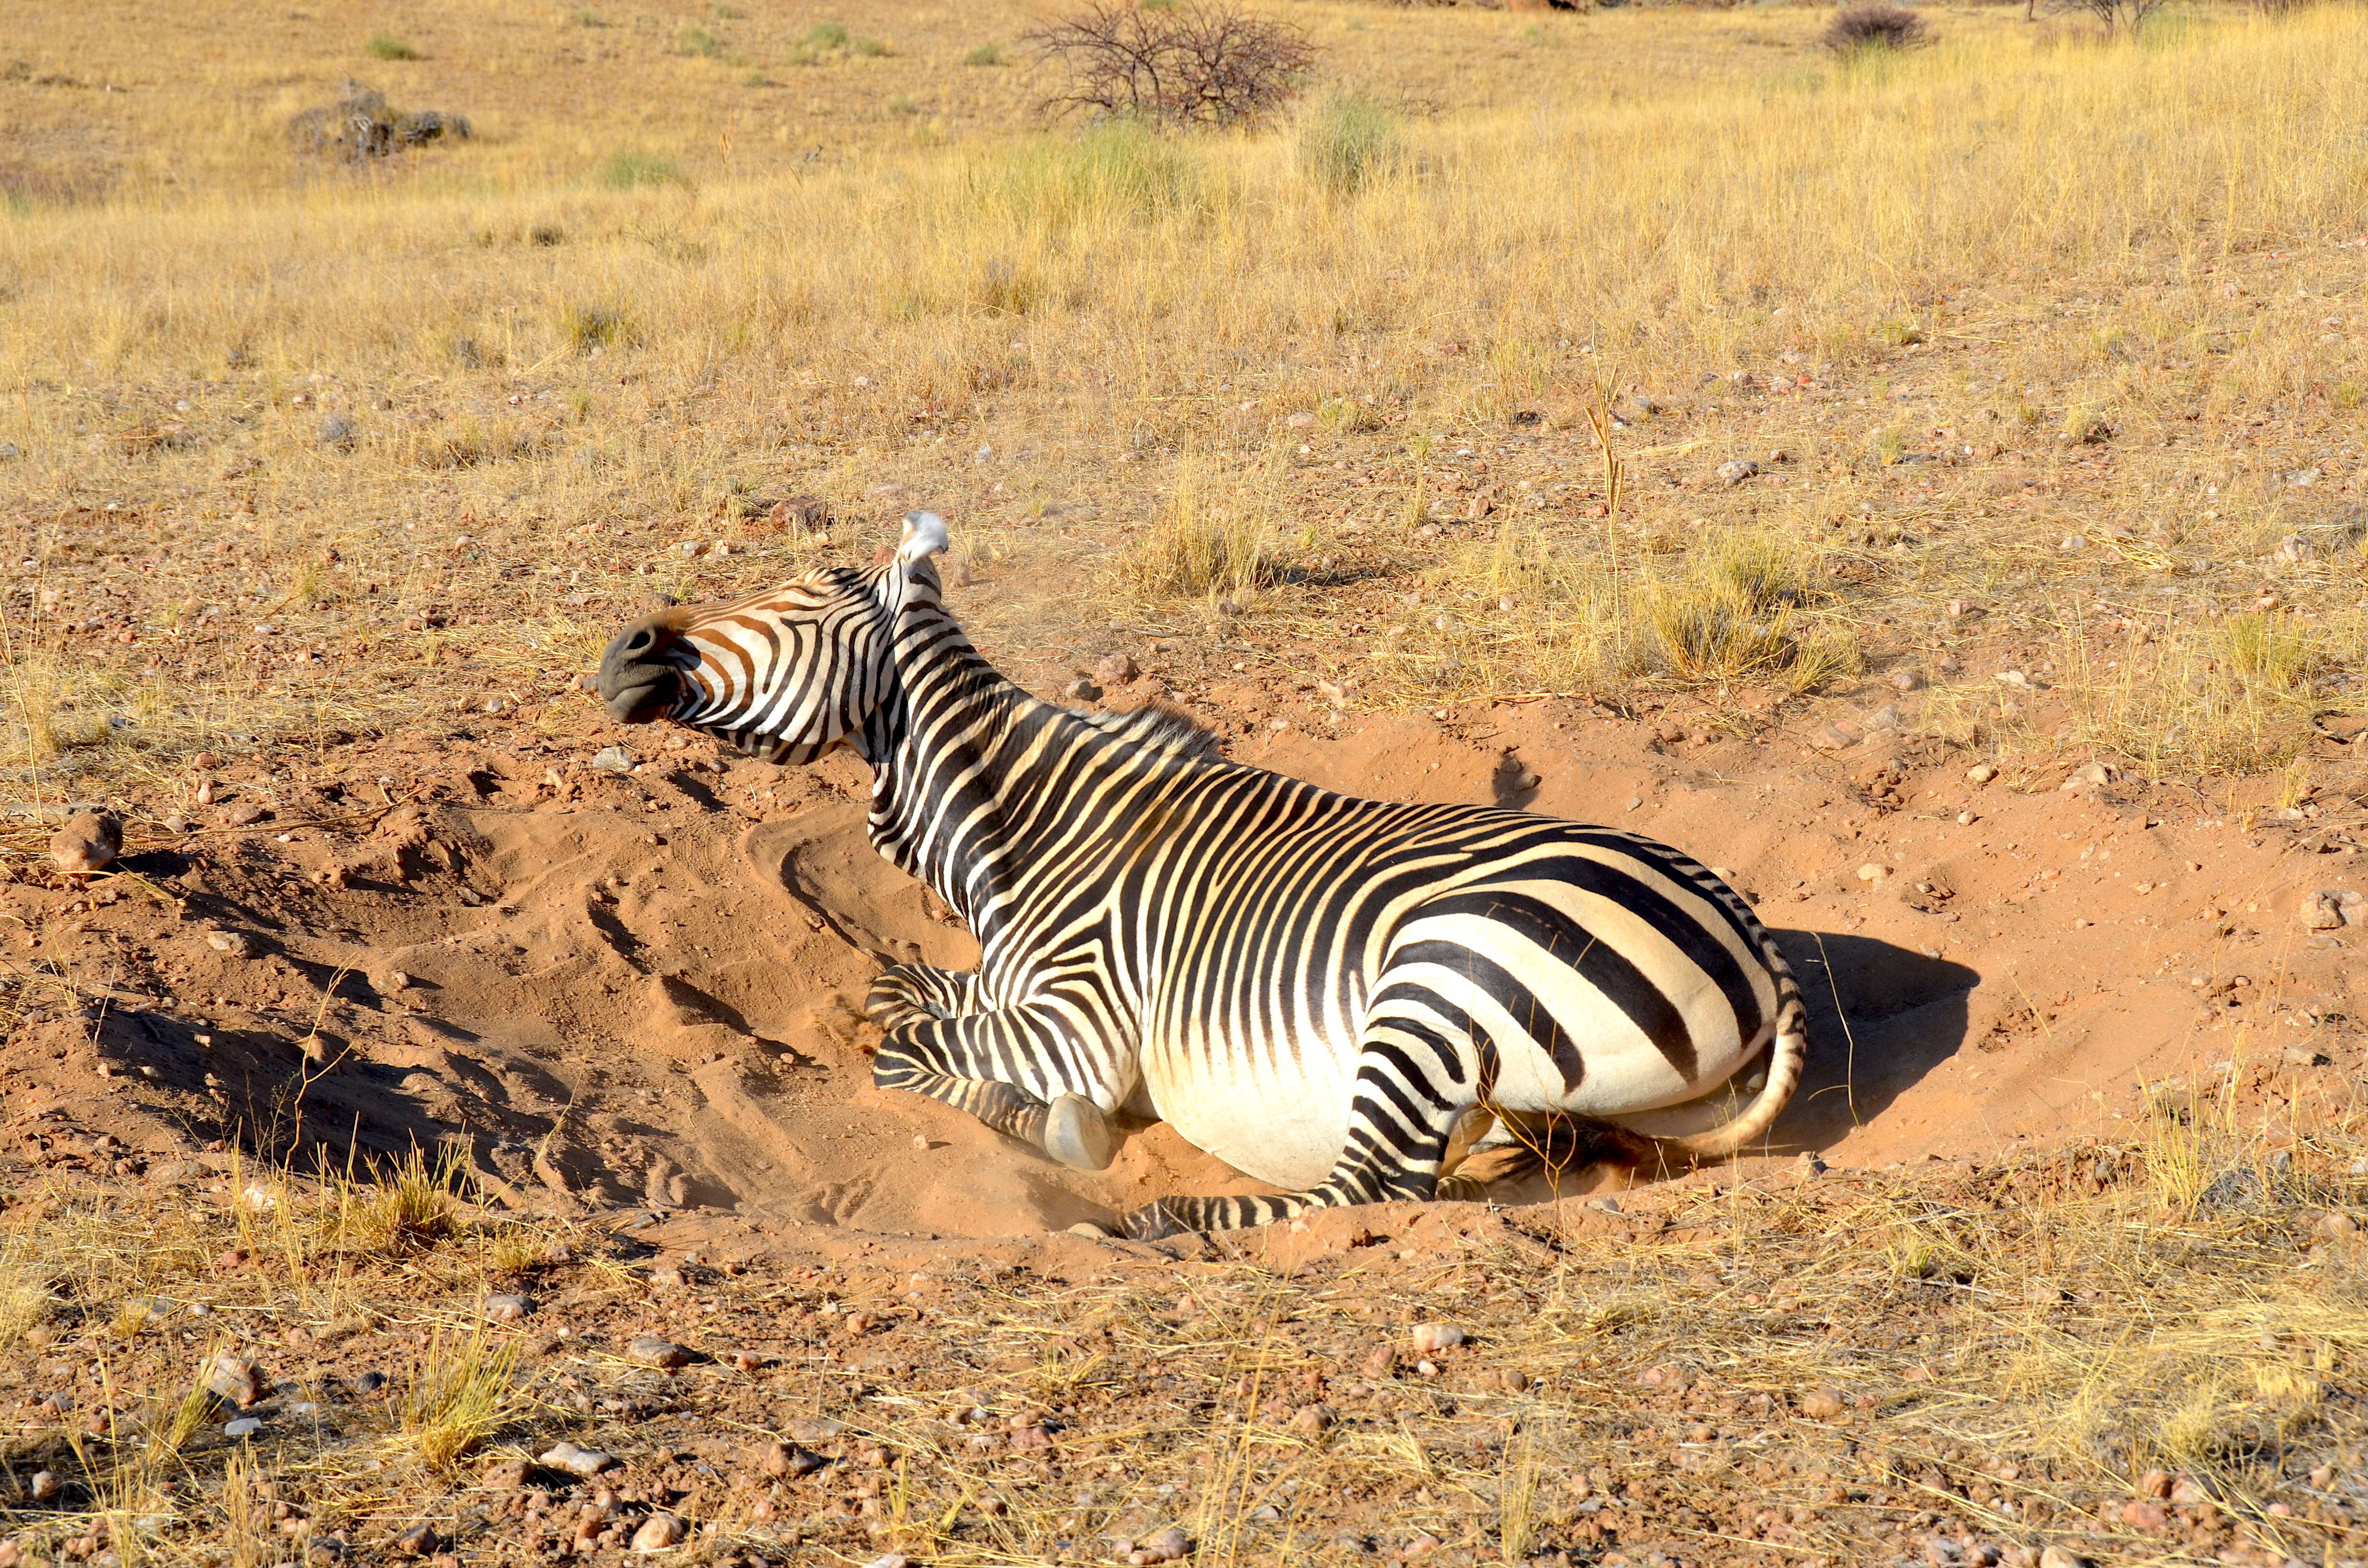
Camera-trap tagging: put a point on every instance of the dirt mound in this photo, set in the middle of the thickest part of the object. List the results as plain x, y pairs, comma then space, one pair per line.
640, 990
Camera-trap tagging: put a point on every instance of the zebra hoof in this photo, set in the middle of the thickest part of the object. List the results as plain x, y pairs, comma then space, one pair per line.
1077, 1134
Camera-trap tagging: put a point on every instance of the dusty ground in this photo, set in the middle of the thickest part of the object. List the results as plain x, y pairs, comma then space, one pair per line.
2019, 687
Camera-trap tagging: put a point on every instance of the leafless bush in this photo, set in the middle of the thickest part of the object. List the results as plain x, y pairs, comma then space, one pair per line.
1862, 28
1198, 62
2118, 16
359, 127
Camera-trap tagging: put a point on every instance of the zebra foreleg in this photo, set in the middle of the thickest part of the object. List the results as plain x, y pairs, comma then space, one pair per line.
916, 992
953, 1060
1399, 1124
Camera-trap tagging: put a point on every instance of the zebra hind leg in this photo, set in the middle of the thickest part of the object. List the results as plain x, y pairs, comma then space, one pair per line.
912, 993
1399, 1123
928, 1059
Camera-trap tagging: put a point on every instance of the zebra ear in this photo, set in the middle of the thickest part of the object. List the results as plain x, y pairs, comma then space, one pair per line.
925, 535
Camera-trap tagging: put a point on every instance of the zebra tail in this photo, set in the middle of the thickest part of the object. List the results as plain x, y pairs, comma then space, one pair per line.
1787, 1059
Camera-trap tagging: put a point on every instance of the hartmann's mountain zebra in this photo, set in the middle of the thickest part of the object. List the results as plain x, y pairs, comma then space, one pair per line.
1313, 988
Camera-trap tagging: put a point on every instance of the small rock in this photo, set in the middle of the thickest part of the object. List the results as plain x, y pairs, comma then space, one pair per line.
613, 759
336, 430
1082, 690
2089, 776
586, 1462
1822, 1405
45, 1485
1419, 1544
1980, 773
2154, 1484
2145, 1513
1887, 717
1735, 473
2321, 911
1873, 872
1906, 681
2188, 1493
246, 813
1169, 1545
2303, 1056
1833, 738
419, 1540
506, 1473
237, 944
232, 1378
508, 1308
814, 1428
658, 1532
10, 452
2338, 1224
1429, 1339
1088, 1227
786, 1460
245, 1426
652, 1351
1115, 669
2062, 1557
1313, 1420
1378, 1364
2294, 548
88, 842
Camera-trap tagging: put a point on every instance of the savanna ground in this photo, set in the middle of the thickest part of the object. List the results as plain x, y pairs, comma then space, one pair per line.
423, 1068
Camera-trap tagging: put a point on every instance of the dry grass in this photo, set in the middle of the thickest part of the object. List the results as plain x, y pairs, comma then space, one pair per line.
612, 333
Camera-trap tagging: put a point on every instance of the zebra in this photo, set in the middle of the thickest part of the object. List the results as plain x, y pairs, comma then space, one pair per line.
1322, 991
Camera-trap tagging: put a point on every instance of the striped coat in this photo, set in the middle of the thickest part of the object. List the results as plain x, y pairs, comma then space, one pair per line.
1318, 989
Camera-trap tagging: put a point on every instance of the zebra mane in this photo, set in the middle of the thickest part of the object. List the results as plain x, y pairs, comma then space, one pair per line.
1162, 727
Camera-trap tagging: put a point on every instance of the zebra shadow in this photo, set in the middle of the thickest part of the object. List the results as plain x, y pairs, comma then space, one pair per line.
1880, 1018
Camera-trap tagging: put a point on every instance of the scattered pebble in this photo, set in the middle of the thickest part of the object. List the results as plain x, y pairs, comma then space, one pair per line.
2062, 1557
613, 759
1429, 1339
508, 1308
814, 1428
2088, 776
245, 1426
419, 1540
1115, 669
1169, 1545
45, 1485
1313, 1420
1823, 1404
88, 842
586, 1462
1735, 473
658, 1532
506, 1473
232, 1378
1873, 872
336, 430
1980, 773
652, 1351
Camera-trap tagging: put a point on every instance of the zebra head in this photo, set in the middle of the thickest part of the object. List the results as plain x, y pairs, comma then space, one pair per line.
789, 674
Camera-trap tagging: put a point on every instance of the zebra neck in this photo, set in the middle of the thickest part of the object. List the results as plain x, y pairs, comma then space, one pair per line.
942, 744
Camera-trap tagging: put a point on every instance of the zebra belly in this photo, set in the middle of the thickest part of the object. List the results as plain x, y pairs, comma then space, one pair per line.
1283, 1117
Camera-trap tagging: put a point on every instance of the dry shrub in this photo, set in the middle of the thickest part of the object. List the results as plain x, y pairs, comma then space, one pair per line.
460, 1396
359, 127
1203, 62
1346, 142
1195, 550
1734, 614
1861, 28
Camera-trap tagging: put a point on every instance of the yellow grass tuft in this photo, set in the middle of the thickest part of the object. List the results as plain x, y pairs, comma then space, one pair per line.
460, 1395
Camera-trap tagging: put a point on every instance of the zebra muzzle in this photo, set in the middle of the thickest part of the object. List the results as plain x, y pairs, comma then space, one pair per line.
638, 679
